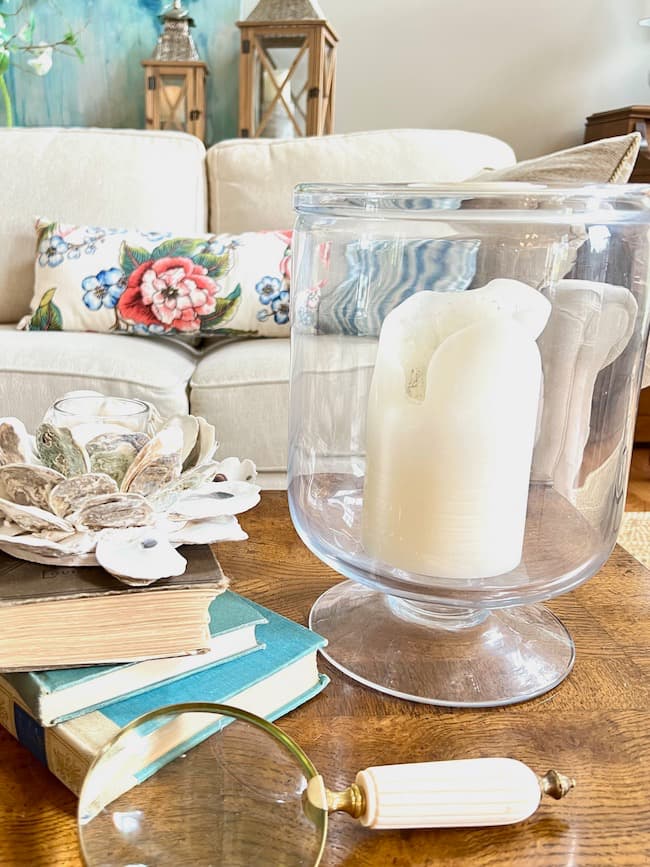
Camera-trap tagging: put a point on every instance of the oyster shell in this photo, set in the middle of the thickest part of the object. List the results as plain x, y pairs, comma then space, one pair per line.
58, 450
206, 445
113, 453
15, 447
207, 532
8, 529
77, 543
157, 465
33, 519
235, 470
215, 499
207, 441
112, 511
25, 545
138, 556
28, 485
71, 487
189, 426
67, 495
188, 481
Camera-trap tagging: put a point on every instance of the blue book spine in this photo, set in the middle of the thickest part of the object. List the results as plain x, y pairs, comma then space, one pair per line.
68, 749
69, 759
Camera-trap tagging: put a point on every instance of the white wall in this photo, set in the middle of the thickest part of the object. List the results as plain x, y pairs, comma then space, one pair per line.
527, 71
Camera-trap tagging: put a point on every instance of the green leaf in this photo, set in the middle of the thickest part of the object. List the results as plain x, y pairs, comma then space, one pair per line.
4, 62
70, 38
46, 297
79, 53
224, 309
31, 24
132, 257
44, 231
177, 247
216, 266
47, 316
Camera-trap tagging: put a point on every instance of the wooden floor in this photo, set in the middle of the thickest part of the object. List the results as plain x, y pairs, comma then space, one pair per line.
638, 492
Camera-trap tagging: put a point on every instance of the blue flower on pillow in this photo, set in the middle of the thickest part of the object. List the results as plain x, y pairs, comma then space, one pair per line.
148, 329
154, 237
268, 289
280, 307
103, 289
51, 251
219, 246
275, 298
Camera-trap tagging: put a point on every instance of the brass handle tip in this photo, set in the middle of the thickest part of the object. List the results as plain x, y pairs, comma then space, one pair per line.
350, 801
556, 785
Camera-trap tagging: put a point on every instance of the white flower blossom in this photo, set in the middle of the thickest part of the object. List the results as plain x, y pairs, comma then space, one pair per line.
24, 33
42, 63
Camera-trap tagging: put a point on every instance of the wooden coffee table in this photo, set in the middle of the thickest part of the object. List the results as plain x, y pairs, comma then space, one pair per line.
595, 727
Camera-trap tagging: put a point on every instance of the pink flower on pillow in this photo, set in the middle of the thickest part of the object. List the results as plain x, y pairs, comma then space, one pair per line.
173, 290
285, 262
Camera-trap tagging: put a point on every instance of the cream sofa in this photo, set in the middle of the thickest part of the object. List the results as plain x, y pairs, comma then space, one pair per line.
157, 180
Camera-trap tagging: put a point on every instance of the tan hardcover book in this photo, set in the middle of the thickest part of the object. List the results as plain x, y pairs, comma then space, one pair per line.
60, 616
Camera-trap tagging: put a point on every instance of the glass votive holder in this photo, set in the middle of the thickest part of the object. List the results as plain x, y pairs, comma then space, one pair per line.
88, 415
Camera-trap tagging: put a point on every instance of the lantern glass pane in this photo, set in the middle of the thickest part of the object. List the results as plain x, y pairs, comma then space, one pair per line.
282, 65
173, 102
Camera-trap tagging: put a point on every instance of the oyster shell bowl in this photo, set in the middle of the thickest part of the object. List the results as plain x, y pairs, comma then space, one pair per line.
96, 494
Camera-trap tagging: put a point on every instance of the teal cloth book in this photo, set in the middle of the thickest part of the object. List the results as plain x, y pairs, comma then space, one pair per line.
270, 683
55, 696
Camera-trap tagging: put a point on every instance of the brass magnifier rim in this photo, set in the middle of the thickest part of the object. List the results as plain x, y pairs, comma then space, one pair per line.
270, 728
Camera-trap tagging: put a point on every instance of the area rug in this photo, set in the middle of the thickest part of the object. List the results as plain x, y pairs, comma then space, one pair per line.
634, 535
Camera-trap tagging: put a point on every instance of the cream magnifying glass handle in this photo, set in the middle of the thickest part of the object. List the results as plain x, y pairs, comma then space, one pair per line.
455, 794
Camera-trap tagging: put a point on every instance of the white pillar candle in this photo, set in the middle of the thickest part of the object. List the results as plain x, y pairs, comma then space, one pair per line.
451, 424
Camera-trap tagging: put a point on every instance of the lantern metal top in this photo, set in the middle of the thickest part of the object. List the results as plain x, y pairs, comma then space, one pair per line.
176, 12
287, 10
175, 42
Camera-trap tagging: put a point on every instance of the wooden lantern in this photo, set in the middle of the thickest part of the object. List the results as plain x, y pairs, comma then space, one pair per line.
287, 71
175, 77
175, 95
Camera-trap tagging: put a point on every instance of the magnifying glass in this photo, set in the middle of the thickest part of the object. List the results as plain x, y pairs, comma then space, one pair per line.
208, 784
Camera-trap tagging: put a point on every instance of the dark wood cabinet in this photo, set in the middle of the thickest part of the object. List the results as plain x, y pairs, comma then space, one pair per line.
620, 121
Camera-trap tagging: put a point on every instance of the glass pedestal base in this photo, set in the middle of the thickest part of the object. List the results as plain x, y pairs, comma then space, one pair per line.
442, 655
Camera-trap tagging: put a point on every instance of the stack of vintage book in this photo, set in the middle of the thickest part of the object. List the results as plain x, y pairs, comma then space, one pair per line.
81, 655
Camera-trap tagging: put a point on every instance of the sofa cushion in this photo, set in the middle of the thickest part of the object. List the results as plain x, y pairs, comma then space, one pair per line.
36, 368
606, 161
95, 177
252, 180
243, 390
524, 252
89, 278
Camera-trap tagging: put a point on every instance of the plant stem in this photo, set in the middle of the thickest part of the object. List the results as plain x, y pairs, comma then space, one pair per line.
9, 115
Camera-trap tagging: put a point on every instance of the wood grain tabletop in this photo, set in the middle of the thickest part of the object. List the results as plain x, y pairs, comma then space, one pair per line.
595, 727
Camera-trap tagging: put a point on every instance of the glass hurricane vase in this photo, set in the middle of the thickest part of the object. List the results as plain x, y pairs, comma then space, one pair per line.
465, 370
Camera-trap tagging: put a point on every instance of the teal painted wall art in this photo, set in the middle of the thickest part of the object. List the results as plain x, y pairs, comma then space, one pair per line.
107, 90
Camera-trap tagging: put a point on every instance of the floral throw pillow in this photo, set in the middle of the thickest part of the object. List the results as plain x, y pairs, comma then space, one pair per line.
89, 278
